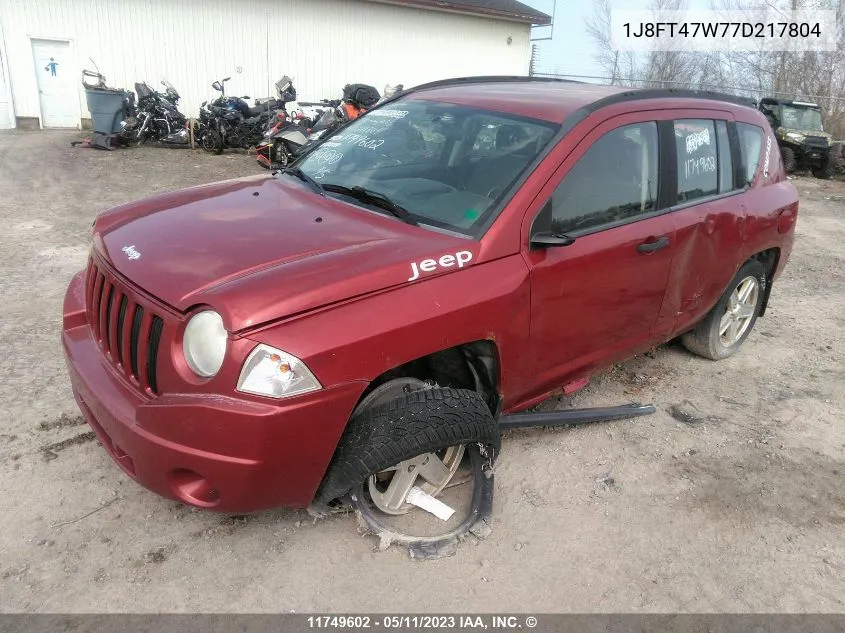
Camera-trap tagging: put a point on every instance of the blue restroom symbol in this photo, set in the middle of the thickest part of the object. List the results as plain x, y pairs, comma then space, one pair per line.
52, 66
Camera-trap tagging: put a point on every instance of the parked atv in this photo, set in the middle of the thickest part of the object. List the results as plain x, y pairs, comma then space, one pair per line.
803, 142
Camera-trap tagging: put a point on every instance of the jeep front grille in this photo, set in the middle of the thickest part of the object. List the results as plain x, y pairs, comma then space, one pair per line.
816, 141
128, 334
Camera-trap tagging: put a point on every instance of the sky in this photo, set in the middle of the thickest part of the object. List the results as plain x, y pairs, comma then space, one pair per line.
571, 50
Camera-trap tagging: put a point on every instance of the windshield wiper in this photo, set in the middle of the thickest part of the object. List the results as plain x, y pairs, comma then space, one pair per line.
297, 171
374, 198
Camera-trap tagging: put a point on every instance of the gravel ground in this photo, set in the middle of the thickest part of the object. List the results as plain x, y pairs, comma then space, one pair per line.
729, 499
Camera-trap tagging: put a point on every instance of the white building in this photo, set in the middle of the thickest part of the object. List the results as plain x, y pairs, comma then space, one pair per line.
322, 44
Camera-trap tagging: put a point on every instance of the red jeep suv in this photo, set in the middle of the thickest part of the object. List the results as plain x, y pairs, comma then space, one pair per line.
460, 252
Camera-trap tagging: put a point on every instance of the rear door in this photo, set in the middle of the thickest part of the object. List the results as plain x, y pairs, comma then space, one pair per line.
597, 299
709, 215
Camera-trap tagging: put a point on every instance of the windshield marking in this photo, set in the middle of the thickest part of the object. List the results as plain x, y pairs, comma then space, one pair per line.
697, 139
394, 114
362, 140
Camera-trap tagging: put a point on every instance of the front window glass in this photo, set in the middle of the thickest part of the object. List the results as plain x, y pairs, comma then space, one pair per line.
798, 118
447, 165
615, 181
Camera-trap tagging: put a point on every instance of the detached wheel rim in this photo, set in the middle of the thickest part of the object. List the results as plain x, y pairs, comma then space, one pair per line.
739, 311
431, 472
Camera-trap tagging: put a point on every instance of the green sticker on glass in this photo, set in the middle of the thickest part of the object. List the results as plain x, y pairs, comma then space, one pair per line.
471, 214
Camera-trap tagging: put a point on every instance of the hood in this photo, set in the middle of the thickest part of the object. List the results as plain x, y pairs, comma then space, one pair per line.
818, 133
259, 249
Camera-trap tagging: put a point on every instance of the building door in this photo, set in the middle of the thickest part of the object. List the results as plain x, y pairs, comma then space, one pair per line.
5, 104
57, 89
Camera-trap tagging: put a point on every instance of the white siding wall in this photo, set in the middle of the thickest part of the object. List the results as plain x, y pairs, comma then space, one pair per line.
322, 44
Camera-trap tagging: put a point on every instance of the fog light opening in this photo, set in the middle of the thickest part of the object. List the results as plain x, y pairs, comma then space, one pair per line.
192, 488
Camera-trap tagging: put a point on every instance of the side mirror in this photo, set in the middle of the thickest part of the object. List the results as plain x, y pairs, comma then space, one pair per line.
216, 85
546, 239
225, 79
542, 234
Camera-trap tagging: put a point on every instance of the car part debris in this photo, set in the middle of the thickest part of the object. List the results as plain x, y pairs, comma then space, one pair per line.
421, 499
571, 417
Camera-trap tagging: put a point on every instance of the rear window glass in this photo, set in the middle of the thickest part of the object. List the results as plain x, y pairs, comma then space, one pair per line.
750, 144
695, 140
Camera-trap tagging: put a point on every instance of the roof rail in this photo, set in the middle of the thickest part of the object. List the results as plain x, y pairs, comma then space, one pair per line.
656, 93
488, 79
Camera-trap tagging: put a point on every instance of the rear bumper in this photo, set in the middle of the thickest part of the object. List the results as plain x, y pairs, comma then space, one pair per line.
221, 452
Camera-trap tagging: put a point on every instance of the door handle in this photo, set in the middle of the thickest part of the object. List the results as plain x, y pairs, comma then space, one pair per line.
656, 245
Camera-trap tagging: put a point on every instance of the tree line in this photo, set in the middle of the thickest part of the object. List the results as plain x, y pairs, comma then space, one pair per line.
799, 75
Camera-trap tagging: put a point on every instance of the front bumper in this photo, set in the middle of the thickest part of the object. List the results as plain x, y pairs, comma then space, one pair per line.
222, 452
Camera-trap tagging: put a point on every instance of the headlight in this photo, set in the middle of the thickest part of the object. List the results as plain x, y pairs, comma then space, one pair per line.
795, 136
204, 343
271, 372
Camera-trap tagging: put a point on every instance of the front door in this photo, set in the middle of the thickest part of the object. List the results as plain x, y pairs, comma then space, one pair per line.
57, 78
597, 299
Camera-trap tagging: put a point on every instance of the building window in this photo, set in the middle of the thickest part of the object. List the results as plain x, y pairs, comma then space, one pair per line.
615, 180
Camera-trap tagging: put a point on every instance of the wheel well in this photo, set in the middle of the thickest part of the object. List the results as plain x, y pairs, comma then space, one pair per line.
769, 258
473, 365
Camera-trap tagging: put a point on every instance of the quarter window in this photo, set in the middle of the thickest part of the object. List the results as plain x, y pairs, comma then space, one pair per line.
615, 180
750, 144
695, 140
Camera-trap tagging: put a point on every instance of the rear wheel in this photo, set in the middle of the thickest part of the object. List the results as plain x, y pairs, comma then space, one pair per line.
212, 142
729, 323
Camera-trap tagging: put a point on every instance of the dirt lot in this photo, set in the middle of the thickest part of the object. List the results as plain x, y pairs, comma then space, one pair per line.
730, 498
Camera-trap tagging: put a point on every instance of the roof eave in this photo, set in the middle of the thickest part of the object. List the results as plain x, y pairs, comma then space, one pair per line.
539, 19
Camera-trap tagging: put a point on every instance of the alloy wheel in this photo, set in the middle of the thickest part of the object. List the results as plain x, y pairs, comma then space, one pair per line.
739, 311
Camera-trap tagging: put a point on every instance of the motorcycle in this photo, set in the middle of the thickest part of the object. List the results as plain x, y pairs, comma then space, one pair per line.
357, 99
156, 117
232, 123
283, 141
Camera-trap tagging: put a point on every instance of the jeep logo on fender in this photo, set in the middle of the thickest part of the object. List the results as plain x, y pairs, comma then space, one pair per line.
445, 261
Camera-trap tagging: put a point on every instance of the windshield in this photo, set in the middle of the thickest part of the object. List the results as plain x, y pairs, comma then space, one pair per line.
169, 88
798, 118
447, 165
